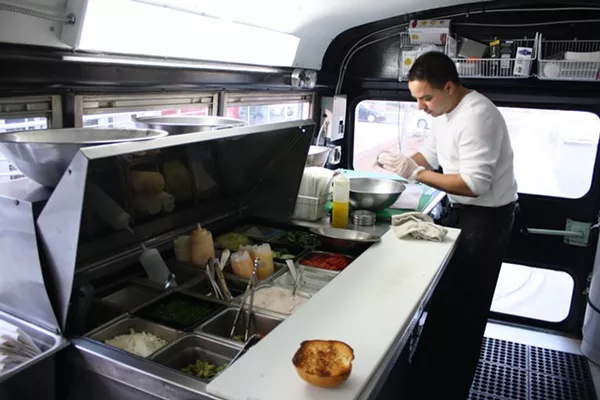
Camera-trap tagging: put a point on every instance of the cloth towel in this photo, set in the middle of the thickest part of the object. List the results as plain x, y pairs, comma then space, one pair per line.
16, 346
419, 226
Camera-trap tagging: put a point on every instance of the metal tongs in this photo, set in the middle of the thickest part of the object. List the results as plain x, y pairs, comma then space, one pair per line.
217, 268
252, 340
210, 275
297, 274
249, 291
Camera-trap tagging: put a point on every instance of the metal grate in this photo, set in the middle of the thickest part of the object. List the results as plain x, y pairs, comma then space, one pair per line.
509, 371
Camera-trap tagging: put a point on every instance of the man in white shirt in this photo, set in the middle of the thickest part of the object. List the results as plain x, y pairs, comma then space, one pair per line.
469, 140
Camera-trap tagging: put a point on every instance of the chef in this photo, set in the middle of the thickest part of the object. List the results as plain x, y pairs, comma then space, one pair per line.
469, 141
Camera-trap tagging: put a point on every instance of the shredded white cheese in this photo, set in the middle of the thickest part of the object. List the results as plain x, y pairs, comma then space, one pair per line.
141, 343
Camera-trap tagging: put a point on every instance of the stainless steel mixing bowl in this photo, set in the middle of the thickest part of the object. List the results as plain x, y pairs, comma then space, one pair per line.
177, 125
374, 193
343, 239
44, 155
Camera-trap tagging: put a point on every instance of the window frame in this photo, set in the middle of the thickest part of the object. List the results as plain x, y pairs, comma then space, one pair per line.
245, 98
353, 115
49, 107
123, 103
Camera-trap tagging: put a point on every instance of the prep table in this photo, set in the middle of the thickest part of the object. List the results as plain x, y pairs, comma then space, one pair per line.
97, 289
372, 305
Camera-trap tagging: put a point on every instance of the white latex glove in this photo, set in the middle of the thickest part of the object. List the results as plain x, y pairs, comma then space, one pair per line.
404, 166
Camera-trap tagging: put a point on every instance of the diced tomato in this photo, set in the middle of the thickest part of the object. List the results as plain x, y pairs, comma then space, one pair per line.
332, 262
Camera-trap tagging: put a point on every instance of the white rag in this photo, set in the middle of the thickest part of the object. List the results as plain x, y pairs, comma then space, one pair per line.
419, 226
16, 346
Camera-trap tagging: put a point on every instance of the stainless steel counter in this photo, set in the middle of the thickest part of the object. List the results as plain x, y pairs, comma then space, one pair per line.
378, 229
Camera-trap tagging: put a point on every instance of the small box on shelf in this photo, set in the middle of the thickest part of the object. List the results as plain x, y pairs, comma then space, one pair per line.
499, 59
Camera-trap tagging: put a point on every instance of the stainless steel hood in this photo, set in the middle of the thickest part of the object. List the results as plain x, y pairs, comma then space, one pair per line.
22, 287
254, 171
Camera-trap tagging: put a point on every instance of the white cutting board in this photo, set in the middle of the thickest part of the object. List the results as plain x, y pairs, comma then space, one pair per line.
366, 306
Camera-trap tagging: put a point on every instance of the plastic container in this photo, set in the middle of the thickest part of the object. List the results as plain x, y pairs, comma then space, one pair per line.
241, 264
154, 266
310, 208
341, 202
202, 247
266, 267
265, 263
181, 248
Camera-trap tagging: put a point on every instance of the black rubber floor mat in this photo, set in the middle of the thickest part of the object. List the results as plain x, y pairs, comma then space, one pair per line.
513, 371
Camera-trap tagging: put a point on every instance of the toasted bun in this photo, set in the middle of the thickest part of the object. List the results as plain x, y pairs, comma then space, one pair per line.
324, 363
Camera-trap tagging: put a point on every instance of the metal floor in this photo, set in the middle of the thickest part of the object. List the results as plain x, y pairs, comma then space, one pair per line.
523, 364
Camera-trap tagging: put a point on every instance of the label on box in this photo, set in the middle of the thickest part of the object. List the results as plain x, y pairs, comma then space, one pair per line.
523, 61
433, 31
408, 59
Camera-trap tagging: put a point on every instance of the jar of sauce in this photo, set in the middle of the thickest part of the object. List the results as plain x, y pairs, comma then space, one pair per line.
241, 264
265, 261
202, 247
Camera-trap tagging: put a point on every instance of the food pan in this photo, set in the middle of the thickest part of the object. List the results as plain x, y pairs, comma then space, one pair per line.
180, 311
124, 326
191, 347
220, 325
312, 271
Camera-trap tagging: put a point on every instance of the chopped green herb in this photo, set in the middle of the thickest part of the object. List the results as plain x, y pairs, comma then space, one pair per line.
203, 369
180, 311
299, 238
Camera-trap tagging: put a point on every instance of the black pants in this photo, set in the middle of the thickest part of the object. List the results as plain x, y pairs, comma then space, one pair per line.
447, 353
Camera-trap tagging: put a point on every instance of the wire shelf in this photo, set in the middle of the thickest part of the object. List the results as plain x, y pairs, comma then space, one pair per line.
514, 65
411, 49
519, 64
569, 60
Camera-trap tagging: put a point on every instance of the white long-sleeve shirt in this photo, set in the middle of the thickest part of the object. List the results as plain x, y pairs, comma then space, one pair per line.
472, 140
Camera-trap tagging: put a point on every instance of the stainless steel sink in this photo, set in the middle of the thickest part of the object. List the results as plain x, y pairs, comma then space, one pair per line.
220, 325
191, 347
124, 326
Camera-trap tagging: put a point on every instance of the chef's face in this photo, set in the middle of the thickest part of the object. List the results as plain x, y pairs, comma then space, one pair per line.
434, 102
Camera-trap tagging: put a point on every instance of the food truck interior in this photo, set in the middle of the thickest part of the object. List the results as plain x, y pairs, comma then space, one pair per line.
142, 142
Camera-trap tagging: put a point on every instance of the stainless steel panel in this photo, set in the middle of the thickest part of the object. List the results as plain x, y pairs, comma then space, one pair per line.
191, 347
59, 225
220, 325
25, 190
48, 343
277, 159
22, 288
97, 152
130, 296
124, 326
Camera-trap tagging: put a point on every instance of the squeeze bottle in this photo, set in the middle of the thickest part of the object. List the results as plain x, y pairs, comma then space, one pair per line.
341, 201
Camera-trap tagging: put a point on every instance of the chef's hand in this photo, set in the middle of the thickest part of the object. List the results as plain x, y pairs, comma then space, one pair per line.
404, 166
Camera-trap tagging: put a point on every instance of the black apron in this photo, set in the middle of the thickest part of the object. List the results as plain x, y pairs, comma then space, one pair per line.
447, 353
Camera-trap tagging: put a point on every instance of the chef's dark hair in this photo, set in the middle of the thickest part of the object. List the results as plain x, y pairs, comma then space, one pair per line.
434, 67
